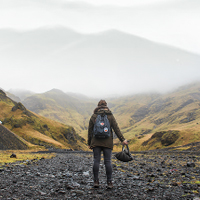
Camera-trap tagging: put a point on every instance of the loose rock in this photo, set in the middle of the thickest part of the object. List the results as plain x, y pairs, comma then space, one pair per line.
69, 176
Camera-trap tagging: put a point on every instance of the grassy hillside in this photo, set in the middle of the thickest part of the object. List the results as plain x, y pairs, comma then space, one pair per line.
36, 131
142, 118
65, 108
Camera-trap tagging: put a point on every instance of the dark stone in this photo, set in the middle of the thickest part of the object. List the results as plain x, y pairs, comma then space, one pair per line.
174, 184
46, 126
150, 189
15, 181
19, 106
69, 187
62, 192
17, 125
190, 164
13, 155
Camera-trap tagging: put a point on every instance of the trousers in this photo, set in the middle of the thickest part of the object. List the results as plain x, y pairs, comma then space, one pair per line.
107, 162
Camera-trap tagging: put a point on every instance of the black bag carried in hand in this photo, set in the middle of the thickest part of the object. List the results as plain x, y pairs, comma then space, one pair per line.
124, 155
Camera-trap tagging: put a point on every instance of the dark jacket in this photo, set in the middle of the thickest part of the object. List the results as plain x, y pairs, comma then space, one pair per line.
107, 142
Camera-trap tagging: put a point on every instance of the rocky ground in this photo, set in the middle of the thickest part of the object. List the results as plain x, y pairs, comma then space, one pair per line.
69, 176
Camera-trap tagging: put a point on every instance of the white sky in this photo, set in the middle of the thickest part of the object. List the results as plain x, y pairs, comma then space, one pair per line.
173, 22
121, 2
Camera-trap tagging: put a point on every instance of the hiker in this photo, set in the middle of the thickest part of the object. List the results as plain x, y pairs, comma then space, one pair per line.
98, 142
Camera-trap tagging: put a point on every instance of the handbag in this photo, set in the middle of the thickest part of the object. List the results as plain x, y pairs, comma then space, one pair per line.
124, 155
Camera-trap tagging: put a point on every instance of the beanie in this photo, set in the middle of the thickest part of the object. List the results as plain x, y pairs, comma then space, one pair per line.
102, 103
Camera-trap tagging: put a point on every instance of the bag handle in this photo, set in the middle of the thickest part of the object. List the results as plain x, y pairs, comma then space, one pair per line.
123, 147
128, 151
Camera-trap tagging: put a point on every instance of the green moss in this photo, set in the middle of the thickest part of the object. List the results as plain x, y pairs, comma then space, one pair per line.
15, 123
133, 141
160, 139
169, 138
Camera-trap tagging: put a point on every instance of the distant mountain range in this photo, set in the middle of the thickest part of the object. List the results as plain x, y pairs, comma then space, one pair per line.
111, 55
139, 116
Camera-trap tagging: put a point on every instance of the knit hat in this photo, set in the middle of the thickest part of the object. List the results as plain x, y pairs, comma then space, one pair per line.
102, 103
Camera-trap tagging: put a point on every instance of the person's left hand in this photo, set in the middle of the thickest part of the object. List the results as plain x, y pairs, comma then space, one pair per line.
125, 142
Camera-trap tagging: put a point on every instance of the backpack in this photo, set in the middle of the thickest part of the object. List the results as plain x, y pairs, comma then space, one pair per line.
101, 127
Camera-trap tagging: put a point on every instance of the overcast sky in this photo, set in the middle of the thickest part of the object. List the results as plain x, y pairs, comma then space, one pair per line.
172, 22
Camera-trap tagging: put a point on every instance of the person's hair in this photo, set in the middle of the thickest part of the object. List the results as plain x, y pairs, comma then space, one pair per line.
102, 103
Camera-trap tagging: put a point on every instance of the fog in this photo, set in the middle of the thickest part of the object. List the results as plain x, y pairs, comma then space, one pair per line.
99, 48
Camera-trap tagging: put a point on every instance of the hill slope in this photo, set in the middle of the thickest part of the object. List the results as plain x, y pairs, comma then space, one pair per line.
149, 120
8, 140
143, 116
37, 131
62, 107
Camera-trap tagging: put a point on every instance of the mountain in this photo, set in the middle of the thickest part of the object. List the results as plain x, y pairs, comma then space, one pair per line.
72, 109
148, 117
122, 58
61, 58
36, 42
27, 129
148, 120
13, 96
19, 95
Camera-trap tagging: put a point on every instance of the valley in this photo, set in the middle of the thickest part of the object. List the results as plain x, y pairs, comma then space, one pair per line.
147, 120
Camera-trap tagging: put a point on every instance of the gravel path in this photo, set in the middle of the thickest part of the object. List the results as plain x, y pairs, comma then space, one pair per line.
69, 176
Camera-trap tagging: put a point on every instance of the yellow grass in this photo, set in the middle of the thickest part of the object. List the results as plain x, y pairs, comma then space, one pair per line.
39, 136
84, 134
21, 156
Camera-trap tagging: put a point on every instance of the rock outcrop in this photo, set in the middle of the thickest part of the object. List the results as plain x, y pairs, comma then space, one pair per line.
8, 140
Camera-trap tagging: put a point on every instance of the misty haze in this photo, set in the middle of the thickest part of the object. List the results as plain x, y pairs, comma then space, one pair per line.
107, 63
98, 57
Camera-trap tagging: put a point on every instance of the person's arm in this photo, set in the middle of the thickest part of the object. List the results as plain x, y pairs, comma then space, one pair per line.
90, 130
117, 131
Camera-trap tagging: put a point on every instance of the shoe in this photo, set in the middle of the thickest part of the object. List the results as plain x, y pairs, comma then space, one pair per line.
110, 185
96, 184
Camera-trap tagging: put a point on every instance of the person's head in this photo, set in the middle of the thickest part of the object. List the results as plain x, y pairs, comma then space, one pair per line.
102, 103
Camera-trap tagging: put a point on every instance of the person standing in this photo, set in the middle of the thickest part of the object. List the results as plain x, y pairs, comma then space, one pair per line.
103, 144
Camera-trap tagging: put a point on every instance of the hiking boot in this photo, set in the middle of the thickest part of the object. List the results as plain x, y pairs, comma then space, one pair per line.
110, 185
96, 184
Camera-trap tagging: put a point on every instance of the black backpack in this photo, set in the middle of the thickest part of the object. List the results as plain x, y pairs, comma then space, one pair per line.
101, 127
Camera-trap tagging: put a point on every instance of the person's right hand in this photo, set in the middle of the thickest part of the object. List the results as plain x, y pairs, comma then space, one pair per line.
125, 142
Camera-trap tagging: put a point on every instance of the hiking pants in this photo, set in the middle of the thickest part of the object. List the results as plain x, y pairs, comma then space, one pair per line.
107, 162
